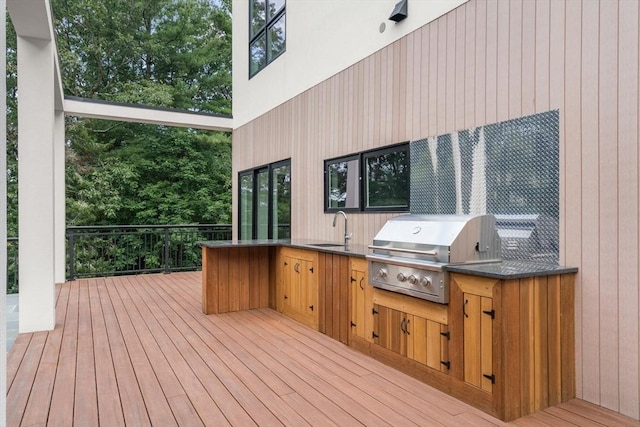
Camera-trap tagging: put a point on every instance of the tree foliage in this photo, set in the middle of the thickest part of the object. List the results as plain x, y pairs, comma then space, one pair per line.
12, 130
164, 53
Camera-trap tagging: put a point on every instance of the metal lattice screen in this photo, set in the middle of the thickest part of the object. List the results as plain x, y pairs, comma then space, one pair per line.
509, 169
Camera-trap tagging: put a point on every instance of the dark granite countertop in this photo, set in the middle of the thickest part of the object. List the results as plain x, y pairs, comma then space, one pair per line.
510, 269
498, 270
315, 245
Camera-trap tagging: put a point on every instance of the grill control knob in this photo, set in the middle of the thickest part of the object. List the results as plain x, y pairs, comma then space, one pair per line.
382, 273
401, 277
413, 279
425, 281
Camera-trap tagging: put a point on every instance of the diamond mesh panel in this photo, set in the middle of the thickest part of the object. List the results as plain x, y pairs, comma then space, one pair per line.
509, 169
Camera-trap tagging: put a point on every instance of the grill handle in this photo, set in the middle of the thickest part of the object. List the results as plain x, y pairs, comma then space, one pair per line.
412, 263
409, 251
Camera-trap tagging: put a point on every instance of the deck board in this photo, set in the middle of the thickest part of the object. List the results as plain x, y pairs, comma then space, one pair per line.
138, 351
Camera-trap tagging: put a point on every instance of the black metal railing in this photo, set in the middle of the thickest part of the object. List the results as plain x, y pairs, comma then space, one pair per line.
95, 251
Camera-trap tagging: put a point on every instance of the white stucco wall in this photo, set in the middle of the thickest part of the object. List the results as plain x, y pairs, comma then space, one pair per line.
321, 37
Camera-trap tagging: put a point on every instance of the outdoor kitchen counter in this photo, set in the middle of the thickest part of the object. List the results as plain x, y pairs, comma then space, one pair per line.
506, 270
359, 251
241, 274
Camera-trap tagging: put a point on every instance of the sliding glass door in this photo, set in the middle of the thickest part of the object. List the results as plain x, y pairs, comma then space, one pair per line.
264, 210
281, 200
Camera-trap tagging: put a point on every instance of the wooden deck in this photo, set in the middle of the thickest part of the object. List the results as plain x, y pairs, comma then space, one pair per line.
138, 351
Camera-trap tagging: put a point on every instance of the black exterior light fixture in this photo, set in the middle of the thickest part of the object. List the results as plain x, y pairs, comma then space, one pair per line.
399, 11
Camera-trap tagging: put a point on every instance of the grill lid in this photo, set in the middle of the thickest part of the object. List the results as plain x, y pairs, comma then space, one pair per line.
447, 238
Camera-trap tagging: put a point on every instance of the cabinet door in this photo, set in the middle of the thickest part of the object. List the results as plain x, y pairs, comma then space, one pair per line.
473, 306
285, 269
360, 310
478, 341
389, 329
308, 287
427, 342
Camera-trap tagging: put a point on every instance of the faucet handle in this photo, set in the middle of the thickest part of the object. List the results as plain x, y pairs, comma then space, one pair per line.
348, 236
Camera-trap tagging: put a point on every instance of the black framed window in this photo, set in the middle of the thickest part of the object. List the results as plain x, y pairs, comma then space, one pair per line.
342, 183
376, 180
267, 33
386, 179
264, 202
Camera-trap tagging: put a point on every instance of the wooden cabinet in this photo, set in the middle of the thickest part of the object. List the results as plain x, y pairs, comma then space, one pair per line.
297, 285
411, 327
512, 342
361, 299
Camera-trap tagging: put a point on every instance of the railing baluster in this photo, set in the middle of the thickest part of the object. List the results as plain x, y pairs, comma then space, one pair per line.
72, 252
166, 251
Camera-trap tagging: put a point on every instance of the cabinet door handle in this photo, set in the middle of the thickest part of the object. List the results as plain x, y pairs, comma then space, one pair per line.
464, 308
286, 297
406, 327
402, 326
311, 269
311, 307
361, 280
295, 268
353, 324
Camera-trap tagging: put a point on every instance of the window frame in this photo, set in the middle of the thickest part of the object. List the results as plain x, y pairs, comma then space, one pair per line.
363, 179
348, 158
404, 147
253, 172
263, 31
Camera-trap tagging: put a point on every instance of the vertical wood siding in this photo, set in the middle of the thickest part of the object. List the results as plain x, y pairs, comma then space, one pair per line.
485, 62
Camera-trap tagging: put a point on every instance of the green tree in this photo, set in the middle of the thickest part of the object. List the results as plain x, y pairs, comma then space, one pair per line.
12, 131
165, 53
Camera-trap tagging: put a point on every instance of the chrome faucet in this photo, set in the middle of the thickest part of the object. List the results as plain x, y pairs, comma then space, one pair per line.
347, 236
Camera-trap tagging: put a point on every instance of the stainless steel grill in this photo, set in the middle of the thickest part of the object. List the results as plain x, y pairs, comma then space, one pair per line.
410, 251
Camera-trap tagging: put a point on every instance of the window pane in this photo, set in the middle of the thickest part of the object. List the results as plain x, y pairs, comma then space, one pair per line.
257, 16
274, 8
276, 40
281, 203
343, 184
246, 207
258, 54
262, 215
387, 176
